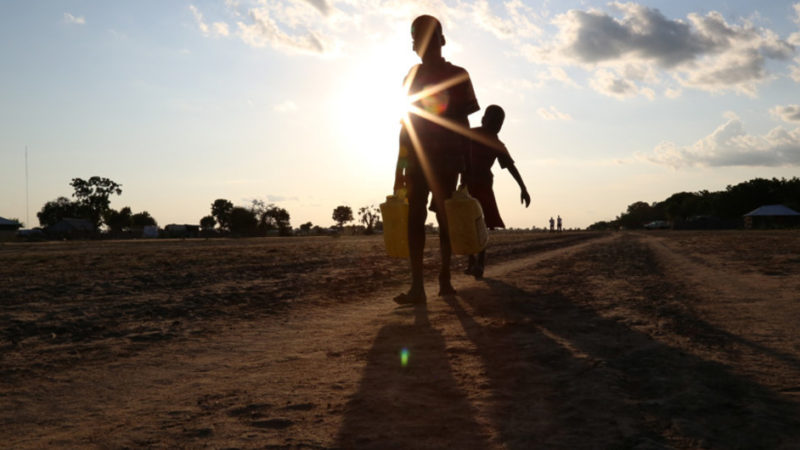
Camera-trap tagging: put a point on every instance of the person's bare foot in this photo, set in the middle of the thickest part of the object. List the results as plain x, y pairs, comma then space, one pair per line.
446, 289
412, 297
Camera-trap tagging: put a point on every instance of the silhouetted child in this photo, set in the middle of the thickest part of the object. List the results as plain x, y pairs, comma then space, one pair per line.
432, 147
485, 148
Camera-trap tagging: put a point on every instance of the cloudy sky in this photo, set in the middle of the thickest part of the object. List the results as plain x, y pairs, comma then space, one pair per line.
296, 102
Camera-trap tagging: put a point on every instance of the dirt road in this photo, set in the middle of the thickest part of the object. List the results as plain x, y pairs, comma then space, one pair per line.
608, 341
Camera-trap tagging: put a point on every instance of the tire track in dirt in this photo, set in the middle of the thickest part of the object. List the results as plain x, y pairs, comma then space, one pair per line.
749, 308
640, 367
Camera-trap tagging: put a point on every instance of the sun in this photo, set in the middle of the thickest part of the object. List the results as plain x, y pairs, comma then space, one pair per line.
370, 106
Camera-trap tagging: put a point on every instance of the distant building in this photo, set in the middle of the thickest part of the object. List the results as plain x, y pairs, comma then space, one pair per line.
71, 229
182, 231
772, 216
8, 229
150, 231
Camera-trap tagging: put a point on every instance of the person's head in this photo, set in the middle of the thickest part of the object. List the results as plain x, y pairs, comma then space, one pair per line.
493, 118
427, 37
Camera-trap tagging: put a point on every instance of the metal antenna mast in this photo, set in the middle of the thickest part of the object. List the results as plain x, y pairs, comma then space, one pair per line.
27, 215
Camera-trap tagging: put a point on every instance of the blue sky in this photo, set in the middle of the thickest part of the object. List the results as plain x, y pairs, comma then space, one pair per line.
296, 102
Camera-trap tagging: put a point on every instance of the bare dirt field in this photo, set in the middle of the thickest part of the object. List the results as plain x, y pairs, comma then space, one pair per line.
644, 340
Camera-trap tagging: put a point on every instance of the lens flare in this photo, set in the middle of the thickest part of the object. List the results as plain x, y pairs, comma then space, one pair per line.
404, 357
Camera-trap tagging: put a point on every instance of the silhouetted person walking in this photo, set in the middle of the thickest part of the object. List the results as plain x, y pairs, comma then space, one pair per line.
482, 154
558, 223
552, 223
432, 147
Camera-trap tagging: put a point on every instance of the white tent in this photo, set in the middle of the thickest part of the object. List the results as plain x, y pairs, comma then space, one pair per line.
772, 211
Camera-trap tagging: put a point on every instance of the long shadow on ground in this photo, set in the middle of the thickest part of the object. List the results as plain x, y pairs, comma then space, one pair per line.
563, 376
417, 405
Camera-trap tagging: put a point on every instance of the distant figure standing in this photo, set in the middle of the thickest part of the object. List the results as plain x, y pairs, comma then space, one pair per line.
485, 148
552, 224
432, 155
559, 223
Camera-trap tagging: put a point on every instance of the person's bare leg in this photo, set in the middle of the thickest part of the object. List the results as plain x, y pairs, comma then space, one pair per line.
445, 288
477, 271
416, 246
470, 264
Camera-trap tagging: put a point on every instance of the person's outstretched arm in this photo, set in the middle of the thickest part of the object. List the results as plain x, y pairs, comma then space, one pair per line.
524, 197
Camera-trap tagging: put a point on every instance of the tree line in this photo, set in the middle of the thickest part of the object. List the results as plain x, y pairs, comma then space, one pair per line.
92, 199
726, 206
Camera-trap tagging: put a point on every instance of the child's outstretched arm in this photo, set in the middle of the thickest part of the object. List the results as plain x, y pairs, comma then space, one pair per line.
524, 197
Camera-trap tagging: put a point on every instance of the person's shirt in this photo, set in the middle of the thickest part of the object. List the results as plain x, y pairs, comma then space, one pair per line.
445, 92
482, 156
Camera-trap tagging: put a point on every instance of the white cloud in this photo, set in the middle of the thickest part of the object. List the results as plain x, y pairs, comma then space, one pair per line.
518, 24
220, 28
216, 29
324, 27
730, 145
788, 113
702, 52
265, 30
555, 73
69, 18
322, 6
795, 70
286, 106
281, 198
672, 92
552, 113
198, 17
613, 85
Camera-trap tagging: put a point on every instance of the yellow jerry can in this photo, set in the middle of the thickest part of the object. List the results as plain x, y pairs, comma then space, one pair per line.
395, 224
468, 232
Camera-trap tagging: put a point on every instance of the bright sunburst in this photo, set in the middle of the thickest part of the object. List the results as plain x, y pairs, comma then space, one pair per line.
371, 105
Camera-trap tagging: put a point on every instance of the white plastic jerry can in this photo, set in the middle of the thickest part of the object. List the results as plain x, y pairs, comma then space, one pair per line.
468, 232
395, 224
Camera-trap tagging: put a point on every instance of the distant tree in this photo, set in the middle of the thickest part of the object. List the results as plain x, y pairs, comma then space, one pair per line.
638, 214
271, 217
259, 207
243, 221
207, 223
370, 216
306, 227
93, 194
280, 218
142, 219
118, 220
603, 226
53, 211
342, 215
730, 204
221, 210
